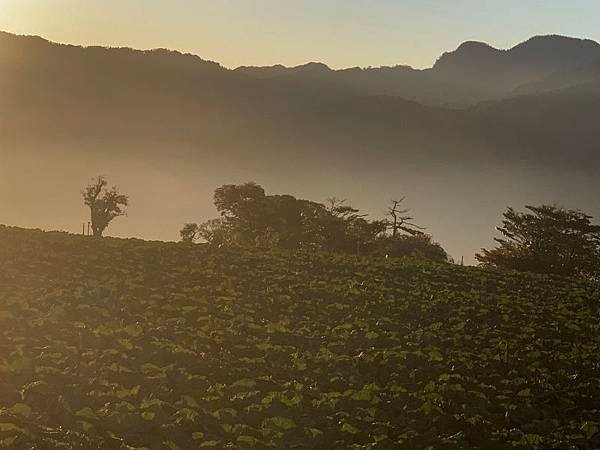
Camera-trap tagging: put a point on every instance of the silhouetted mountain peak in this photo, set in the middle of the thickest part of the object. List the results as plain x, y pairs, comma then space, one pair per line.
20, 48
312, 68
555, 50
468, 55
484, 71
475, 47
553, 41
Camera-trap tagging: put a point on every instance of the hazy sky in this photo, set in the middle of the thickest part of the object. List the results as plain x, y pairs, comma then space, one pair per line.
340, 33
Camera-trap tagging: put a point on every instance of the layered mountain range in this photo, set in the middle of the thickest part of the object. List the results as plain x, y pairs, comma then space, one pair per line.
473, 73
481, 129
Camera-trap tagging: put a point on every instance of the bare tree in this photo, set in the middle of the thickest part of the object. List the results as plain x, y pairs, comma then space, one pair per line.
399, 219
105, 204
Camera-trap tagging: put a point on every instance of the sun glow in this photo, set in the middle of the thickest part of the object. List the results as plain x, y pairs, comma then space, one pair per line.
339, 33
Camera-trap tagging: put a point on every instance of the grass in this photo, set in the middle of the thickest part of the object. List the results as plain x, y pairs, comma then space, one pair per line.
108, 343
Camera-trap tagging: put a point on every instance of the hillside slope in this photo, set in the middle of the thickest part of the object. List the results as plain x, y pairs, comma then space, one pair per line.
127, 344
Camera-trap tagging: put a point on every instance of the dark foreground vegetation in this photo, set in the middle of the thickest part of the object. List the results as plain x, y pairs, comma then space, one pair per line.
250, 218
124, 344
546, 239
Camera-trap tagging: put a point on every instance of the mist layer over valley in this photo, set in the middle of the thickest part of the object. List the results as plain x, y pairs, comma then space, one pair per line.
170, 128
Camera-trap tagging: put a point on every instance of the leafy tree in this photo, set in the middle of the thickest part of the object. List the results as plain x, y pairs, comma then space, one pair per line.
364, 234
250, 217
338, 209
189, 233
343, 227
546, 239
105, 204
292, 222
212, 231
242, 209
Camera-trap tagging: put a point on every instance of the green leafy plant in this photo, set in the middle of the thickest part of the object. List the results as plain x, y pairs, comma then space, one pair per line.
129, 344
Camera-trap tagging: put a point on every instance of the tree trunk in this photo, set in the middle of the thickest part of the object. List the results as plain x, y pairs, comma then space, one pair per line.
96, 230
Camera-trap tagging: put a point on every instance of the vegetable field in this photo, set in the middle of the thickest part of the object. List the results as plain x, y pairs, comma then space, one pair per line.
125, 344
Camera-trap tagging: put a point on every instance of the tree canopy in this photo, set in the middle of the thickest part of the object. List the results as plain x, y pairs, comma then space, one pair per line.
105, 204
546, 239
248, 216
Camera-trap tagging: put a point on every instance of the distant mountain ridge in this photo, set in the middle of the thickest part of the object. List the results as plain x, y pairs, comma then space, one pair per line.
182, 96
168, 96
473, 73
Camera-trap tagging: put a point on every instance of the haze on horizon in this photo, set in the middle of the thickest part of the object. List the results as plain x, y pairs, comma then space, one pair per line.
265, 32
481, 131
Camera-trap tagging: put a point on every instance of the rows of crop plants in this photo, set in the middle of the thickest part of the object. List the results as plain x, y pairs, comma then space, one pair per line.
126, 344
